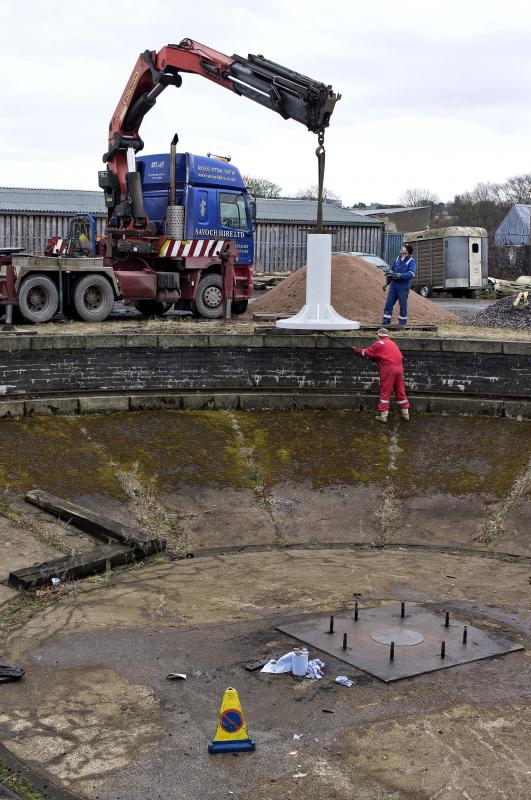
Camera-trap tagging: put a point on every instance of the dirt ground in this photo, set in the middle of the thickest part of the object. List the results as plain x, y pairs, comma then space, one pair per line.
108, 725
238, 325
442, 506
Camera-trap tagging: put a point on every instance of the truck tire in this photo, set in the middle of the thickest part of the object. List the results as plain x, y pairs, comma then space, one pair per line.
38, 298
208, 298
239, 306
425, 290
93, 298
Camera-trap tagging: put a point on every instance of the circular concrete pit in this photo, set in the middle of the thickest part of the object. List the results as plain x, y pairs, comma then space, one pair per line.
288, 514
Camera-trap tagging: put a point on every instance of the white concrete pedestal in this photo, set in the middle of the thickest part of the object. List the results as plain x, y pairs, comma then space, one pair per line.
318, 314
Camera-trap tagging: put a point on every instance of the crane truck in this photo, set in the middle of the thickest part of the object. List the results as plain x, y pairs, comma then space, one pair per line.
179, 226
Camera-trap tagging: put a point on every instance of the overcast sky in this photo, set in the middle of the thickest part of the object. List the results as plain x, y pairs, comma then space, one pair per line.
435, 95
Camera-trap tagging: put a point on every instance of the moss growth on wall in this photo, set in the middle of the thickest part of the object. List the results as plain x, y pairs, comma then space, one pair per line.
461, 455
320, 447
53, 453
178, 447
72, 456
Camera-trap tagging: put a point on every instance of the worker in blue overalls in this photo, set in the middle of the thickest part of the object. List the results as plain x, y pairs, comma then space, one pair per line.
399, 281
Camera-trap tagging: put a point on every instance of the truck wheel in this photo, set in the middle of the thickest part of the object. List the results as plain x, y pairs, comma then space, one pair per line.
93, 298
239, 306
208, 298
425, 291
38, 298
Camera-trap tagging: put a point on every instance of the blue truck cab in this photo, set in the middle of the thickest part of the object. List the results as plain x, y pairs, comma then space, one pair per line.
213, 193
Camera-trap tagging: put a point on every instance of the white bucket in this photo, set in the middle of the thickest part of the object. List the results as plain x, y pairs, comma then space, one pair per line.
299, 661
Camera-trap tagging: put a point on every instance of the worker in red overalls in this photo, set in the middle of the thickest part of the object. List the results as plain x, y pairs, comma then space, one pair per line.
389, 358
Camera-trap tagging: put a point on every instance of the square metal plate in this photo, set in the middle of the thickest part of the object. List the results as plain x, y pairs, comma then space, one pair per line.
386, 624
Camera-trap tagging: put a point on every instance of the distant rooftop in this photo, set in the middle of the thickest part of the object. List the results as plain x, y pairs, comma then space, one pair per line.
283, 209
77, 201
367, 212
51, 201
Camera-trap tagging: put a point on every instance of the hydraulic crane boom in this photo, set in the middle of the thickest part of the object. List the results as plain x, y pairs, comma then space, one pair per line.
290, 94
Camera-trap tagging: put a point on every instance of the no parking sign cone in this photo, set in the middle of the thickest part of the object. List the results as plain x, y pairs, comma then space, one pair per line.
231, 733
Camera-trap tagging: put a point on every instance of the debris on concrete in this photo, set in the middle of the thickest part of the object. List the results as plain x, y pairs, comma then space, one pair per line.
502, 314
8, 673
279, 665
56, 581
175, 676
315, 669
344, 681
252, 666
284, 664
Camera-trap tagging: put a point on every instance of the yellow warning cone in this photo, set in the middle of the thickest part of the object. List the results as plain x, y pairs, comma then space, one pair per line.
231, 733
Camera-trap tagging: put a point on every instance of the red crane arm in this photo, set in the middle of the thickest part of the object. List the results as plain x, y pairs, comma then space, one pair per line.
154, 71
290, 94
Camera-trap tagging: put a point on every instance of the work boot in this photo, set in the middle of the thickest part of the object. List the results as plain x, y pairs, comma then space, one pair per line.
382, 416
405, 414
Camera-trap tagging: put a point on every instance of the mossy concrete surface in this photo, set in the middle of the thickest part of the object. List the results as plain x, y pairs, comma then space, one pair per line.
235, 478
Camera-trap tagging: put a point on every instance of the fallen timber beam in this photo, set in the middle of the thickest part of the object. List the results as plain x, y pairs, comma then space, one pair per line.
123, 544
90, 563
96, 524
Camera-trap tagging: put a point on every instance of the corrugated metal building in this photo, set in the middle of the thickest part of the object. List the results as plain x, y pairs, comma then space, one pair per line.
283, 224
515, 228
28, 217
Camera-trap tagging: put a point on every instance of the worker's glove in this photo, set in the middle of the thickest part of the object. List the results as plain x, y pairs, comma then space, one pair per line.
395, 276
356, 351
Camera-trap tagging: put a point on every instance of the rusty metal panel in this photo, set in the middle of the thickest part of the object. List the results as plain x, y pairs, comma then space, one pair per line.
416, 639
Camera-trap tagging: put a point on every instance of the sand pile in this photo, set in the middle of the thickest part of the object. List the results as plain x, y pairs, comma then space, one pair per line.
503, 315
356, 294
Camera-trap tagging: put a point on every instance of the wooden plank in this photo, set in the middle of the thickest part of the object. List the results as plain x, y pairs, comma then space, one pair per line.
77, 566
267, 316
95, 524
364, 328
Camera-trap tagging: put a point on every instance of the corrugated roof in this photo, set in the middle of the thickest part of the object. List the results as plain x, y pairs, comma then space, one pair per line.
305, 211
367, 212
77, 201
51, 201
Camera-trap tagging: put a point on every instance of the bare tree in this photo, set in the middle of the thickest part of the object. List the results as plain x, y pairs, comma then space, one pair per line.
261, 187
418, 197
517, 189
484, 206
311, 194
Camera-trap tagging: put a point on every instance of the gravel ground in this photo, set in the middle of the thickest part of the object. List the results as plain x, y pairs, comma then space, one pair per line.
502, 314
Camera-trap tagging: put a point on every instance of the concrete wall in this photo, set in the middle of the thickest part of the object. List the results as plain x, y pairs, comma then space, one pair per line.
493, 372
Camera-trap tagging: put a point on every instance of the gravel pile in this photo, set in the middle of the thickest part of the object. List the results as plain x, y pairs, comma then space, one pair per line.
356, 294
502, 315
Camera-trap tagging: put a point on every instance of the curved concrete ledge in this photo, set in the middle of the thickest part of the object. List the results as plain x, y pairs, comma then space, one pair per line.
78, 374
254, 401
